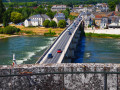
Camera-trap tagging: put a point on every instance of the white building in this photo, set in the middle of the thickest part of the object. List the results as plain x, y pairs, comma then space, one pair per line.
115, 24
36, 20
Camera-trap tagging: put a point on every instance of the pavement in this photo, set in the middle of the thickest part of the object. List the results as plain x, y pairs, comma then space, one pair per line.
103, 31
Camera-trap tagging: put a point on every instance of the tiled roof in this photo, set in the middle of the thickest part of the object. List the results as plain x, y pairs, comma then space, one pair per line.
44, 16
59, 15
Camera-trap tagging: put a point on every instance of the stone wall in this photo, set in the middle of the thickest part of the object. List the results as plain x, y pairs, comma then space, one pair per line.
82, 81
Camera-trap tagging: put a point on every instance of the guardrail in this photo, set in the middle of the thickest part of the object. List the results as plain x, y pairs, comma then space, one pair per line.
39, 60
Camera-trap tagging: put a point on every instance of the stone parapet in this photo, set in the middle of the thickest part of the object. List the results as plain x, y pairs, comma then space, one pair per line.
60, 81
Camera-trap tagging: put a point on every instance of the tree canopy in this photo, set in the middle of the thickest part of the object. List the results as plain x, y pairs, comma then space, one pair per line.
16, 17
2, 10
46, 23
53, 24
62, 23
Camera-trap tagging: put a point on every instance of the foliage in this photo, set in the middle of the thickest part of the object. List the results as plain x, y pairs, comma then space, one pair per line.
10, 30
25, 4
46, 23
50, 13
112, 5
53, 24
50, 33
40, 10
71, 17
69, 3
1, 30
2, 10
27, 32
93, 23
66, 12
102, 35
89, 25
16, 17
62, 23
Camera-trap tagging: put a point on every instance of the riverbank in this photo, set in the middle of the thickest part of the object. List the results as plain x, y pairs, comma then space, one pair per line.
103, 33
33, 31
2, 36
40, 30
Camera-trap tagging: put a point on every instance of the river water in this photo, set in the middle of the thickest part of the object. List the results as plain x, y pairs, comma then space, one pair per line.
29, 48
26, 48
98, 50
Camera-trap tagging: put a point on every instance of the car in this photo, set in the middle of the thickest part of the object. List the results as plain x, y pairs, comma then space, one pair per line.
50, 56
59, 51
68, 30
69, 33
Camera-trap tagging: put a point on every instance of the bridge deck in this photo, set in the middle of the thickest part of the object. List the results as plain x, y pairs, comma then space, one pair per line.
60, 44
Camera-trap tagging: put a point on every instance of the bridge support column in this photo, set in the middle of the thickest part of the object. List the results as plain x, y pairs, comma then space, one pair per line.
70, 53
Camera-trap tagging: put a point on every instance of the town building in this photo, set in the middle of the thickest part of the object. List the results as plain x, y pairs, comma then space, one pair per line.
58, 17
36, 20
115, 22
58, 7
117, 8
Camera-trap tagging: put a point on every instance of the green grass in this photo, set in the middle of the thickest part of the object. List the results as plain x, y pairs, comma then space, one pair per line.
2, 36
50, 33
102, 35
27, 32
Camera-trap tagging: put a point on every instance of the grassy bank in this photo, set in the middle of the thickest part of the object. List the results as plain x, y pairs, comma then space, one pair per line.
40, 30
102, 35
50, 33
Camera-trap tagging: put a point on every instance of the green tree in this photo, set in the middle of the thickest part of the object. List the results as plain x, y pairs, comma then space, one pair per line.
66, 12
51, 14
2, 10
5, 20
10, 30
53, 24
62, 23
46, 23
16, 17
112, 5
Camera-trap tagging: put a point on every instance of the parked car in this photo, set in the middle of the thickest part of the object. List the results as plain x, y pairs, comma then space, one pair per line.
50, 56
59, 51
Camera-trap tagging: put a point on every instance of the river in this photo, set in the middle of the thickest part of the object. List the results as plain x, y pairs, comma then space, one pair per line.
98, 50
29, 48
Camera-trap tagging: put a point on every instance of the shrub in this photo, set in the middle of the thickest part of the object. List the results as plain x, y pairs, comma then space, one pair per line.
10, 30
1, 31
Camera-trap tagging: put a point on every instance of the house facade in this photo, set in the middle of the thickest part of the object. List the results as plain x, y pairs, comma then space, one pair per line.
104, 22
88, 18
58, 17
115, 22
36, 20
117, 8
